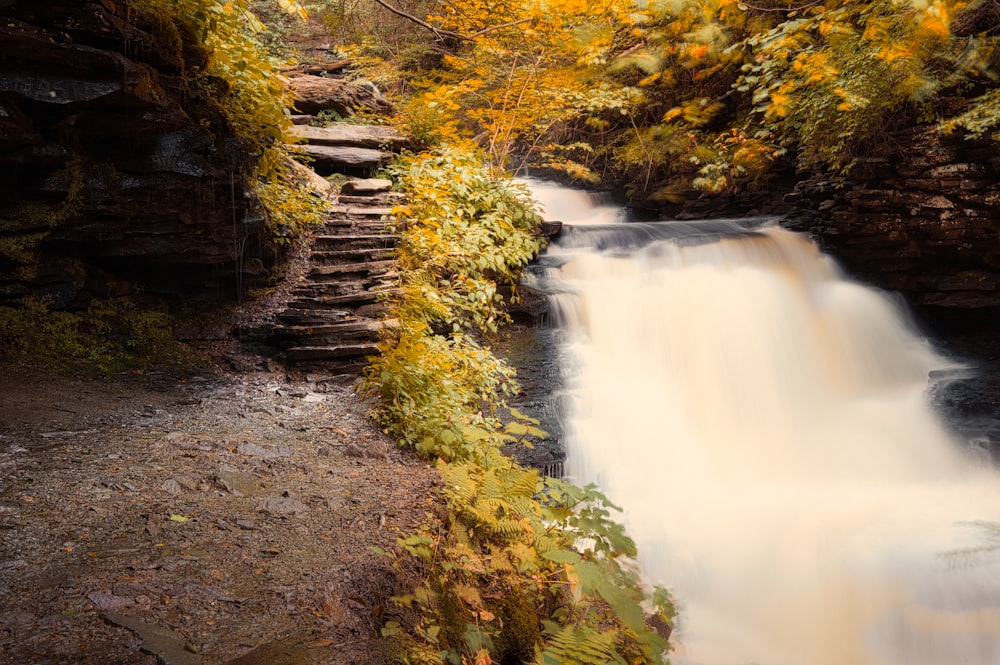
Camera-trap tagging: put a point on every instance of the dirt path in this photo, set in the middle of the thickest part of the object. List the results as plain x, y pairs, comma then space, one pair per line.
211, 520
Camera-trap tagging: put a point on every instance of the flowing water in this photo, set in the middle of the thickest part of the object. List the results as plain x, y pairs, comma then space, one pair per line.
763, 422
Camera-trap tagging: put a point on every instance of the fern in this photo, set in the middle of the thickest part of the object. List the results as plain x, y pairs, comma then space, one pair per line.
572, 644
507, 554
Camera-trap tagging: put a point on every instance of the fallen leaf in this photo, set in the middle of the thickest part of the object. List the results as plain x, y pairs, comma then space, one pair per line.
324, 642
179, 518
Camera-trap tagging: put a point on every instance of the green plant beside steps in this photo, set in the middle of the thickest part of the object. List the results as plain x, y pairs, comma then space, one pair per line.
517, 567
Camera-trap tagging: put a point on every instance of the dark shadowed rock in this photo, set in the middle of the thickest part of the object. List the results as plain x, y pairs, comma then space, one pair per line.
921, 220
344, 159
115, 176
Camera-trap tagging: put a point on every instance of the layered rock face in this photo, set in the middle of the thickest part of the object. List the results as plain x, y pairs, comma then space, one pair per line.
116, 177
923, 219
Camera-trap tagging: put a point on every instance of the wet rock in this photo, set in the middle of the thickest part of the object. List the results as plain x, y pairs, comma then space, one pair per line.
550, 229
169, 647
920, 221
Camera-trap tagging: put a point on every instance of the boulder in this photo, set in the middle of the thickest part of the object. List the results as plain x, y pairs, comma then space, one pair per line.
312, 180
314, 94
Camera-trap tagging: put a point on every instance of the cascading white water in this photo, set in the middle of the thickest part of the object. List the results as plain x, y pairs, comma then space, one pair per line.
763, 424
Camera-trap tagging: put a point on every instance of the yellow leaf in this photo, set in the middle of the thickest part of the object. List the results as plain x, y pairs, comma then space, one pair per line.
179, 518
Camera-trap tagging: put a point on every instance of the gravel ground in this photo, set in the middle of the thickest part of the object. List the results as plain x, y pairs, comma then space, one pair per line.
220, 519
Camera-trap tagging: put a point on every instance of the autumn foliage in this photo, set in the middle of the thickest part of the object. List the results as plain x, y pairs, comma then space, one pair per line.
680, 96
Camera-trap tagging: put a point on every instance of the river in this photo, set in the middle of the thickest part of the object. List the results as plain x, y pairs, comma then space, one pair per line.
764, 424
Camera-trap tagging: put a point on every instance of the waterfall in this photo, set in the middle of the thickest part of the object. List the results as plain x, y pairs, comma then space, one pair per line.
763, 423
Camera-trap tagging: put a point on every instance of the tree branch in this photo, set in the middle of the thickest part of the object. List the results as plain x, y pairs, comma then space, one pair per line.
424, 24
448, 33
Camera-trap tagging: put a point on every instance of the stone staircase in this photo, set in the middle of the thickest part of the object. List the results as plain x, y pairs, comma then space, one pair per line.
334, 316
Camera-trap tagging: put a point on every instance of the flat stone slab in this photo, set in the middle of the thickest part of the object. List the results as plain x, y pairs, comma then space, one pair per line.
306, 353
366, 187
338, 157
365, 211
170, 648
359, 136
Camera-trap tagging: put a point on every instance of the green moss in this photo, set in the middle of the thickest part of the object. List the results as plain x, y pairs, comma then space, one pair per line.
521, 628
20, 249
110, 336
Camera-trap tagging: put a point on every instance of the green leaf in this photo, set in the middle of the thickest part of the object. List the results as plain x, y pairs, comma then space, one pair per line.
562, 556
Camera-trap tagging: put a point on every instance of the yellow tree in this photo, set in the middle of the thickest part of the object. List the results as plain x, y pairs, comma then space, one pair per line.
521, 75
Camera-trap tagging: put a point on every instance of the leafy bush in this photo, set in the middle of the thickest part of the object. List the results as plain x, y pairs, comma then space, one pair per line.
519, 568
110, 336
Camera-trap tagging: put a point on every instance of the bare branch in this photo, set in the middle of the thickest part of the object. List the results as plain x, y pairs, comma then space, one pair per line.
448, 33
424, 24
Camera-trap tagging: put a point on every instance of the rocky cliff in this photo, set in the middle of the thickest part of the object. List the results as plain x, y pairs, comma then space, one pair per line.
116, 175
923, 218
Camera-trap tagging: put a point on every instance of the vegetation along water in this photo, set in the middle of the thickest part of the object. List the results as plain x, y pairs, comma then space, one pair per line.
757, 465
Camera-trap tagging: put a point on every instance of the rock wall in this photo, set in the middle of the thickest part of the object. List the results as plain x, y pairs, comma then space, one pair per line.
922, 219
116, 177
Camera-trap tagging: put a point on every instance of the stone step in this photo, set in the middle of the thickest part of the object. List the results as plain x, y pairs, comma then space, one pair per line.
355, 241
338, 222
367, 330
370, 268
376, 199
308, 317
297, 354
358, 136
351, 227
361, 210
341, 300
342, 159
369, 225
330, 288
352, 255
